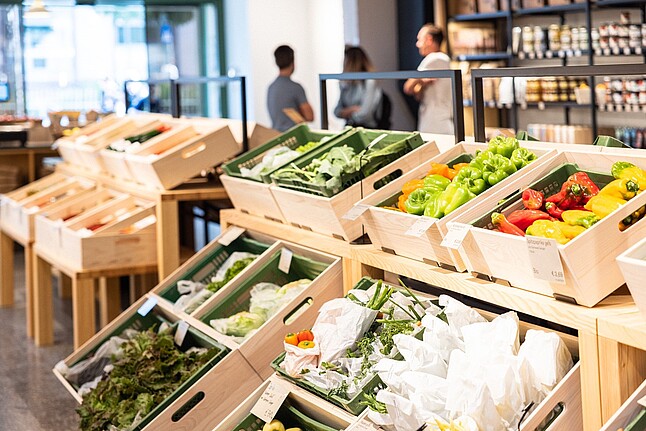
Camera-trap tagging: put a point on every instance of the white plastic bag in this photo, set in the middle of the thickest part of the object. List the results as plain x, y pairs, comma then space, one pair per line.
420, 356
403, 413
498, 337
267, 298
458, 314
548, 355
439, 336
297, 359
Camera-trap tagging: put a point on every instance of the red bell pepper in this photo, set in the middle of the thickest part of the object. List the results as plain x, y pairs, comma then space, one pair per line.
524, 218
501, 222
533, 199
554, 210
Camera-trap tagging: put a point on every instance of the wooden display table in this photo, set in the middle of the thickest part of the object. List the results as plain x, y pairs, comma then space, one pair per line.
610, 369
29, 159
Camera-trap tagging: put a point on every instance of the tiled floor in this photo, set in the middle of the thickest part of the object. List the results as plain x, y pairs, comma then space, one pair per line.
32, 398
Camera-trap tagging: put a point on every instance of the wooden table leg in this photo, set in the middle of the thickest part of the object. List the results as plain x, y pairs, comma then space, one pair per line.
43, 306
591, 394
83, 310
109, 300
29, 289
6, 266
167, 237
64, 286
622, 370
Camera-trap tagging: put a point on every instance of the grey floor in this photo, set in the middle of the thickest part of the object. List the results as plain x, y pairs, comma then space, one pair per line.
31, 397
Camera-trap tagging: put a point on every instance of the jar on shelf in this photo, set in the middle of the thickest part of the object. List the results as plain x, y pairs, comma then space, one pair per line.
563, 89
613, 29
549, 90
603, 30
594, 34
554, 37
572, 85
528, 39
533, 90
566, 37
575, 38
634, 36
642, 97
584, 44
539, 39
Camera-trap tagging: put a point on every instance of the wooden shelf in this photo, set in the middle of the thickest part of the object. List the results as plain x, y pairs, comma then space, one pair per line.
551, 10
492, 56
628, 328
480, 16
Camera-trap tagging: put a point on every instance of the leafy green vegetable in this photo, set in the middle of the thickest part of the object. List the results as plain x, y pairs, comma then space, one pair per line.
231, 272
389, 329
306, 147
151, 368
370, 400
242, 323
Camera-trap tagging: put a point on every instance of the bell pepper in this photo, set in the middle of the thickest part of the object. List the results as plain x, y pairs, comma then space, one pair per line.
306, 344
417, 200
553, 210
570, 231
522, 157
547, 229
632, 218
412, 185
503, 225
580, 218
622, 188
479, 159
433, 207
589, 187
451, 173
602, 205
292, 339
571, 195
621, 170
503, 146
459, 166
453, 197
437, 182
533, 199
471, 177
305, 334
524, 218
439, 169
401, 202
497, 168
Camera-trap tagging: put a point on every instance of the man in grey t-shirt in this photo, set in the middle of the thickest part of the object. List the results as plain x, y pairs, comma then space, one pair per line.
284, 93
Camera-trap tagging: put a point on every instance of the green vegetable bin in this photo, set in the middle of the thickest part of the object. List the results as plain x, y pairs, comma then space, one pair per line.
290, 416
293, 138
358, 139
205, 264
266, 342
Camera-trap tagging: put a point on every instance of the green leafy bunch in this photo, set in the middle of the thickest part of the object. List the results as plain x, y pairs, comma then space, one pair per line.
231, 272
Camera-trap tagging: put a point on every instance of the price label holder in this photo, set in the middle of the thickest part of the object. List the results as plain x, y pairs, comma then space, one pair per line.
147, 306
180, 332
642, 402
545, 259
355, 212
285, 261
230, 235
270, 401
457, 233
420, 226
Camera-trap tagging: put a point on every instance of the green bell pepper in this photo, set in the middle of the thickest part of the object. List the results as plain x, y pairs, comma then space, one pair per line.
453, 197
522, 157
471, 177
497, 168
437, 182
433, 208
502, 145
418, 199
478, 160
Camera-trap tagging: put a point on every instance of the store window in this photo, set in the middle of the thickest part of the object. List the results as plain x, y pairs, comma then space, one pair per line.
11, 84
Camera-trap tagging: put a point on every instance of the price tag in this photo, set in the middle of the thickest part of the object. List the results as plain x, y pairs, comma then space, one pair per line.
147, 306
545, 259
230, 235
642, 402
457, 233
355, 212
270, 401
285, 261
362, 425
180, 332
420, 226
549, 54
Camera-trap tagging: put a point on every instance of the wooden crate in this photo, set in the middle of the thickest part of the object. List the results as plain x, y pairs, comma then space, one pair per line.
204, 403
252, 197
632, 264
67, 145
19, 208
115, 164
325, 215
590, 269
307, 403
48, 224
627, 412
203, 264
266, 343
387, 229
120, 242
165, 164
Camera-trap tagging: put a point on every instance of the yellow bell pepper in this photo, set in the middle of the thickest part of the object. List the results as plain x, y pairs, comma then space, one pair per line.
622, 188
579, 218
602, 205
547, 229
568, 230
626, 170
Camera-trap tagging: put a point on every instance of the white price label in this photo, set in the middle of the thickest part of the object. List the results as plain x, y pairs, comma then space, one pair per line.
270, 401
285, 261
355, 212
180, 332
362, 424
457, 233
230, 235
642, 402
147, 306
545, 259
421, 225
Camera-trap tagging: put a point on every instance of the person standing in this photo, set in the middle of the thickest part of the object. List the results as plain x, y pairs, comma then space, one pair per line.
360, 101
436, 104
284, 93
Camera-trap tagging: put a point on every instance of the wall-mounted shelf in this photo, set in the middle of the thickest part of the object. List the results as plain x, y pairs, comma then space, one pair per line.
553, 10
492, 56
480, 16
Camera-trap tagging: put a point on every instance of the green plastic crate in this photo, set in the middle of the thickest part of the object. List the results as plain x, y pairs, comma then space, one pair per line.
239, 300
609, 141
289, 415
638, 423
549, 185
358, 139
193, 338
207, 267
293, 138
524, 136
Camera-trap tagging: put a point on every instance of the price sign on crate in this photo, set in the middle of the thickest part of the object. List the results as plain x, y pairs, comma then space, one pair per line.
362, 424
285, 261
270, 401
355, 212
420, 227
147, 306
545, 259
230, 235
180, 332
457, 233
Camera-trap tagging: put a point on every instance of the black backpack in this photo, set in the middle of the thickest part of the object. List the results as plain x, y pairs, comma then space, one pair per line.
382, 114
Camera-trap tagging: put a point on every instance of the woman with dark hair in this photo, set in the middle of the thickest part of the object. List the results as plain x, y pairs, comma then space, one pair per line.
361, 101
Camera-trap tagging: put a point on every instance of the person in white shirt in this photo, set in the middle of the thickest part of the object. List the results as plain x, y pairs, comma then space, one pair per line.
436, 104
